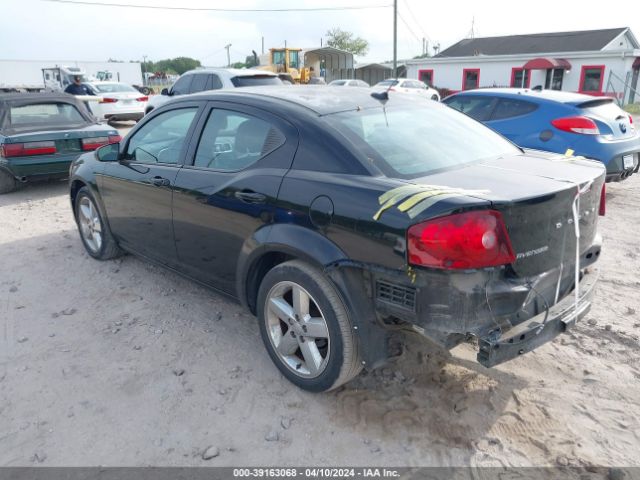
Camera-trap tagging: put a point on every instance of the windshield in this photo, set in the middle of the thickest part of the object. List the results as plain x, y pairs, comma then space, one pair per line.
112, 87
338, 82
413, 141
255, 81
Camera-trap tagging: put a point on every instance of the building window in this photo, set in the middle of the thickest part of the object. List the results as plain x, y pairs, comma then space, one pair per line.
591, 78
553, 79
426, 76
520, 78
470, 78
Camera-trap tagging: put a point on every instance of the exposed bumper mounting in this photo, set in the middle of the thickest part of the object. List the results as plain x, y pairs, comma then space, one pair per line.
536, 331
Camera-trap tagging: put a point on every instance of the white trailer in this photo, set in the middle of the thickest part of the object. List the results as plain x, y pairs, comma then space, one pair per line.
30, 75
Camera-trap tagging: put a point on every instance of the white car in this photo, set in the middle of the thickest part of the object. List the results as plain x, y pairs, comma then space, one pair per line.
406, 85
202, 79
349, 83
118, 101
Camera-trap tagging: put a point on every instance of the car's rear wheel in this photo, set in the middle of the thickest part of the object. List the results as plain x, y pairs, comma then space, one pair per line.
7, 182
306, 328
94, 231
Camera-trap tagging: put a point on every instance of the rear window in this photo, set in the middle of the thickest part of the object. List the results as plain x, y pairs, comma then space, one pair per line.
113, 88
413, 141
255, 81
45, 114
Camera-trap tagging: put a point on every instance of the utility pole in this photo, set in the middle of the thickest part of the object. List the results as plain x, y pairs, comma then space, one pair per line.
395, 38
144, 70
228, 56
262, 45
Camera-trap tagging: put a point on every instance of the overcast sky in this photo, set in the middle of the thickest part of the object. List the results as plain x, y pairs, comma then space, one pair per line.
39, 30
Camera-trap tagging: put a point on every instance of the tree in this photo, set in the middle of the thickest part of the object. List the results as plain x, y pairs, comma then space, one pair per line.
343, 40
178, 65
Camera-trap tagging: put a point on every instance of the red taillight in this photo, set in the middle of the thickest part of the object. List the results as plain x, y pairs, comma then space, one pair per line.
89, 144
603, 200
391, 89
28, 149
93, 143
582, 125
142, 99
630, 119
108, 100
461, 241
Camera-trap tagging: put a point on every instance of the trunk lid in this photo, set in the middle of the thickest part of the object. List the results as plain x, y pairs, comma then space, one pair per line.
535, 193
66, 141
610, 119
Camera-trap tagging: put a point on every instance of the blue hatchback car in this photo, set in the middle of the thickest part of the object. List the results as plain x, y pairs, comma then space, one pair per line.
594, 127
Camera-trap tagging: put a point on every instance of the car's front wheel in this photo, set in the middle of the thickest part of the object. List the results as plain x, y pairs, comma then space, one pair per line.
94, 231
306, 328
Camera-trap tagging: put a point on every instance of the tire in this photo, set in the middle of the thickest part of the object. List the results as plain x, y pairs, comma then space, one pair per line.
434, 97
94, 231
145, 91
7, 182
332, 360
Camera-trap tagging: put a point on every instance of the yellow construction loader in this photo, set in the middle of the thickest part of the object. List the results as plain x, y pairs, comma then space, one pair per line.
286, 63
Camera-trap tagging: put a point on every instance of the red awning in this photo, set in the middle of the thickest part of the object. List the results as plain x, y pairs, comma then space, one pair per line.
636, 63
545, 63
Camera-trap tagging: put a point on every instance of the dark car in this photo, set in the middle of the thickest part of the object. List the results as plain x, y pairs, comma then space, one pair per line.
41, 133
594, 127
341, 222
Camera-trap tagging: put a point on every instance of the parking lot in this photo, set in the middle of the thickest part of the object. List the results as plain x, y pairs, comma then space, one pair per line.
124, 363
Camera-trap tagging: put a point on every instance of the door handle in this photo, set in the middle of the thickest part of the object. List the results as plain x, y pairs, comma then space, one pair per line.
160, 181
250, 197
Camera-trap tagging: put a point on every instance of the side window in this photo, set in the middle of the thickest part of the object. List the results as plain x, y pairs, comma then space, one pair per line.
478, 107
161, 139
232, 141
213, 82
181, 87
508, 108
198, 83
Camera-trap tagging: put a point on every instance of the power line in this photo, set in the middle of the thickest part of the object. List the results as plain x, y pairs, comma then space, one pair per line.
199, 9
409, 28
415, 20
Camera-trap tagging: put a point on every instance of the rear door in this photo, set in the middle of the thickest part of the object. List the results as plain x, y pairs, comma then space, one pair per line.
228, 188
478, 107
512, 117
137, 191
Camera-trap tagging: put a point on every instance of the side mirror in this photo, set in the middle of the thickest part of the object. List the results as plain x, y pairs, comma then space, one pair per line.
109, 153
164, 91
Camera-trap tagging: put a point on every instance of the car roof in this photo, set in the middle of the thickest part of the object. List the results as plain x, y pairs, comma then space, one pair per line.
232, 72
316, 98
549, 95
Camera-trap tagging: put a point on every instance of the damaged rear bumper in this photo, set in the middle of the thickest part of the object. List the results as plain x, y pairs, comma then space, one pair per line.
527, 336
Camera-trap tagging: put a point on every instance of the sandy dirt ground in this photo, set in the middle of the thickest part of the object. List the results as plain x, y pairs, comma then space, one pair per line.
124, 363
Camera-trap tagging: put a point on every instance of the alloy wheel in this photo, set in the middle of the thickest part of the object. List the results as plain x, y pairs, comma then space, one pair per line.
297, 329
90, 224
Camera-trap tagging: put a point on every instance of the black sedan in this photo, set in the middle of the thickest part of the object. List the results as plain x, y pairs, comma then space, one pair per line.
343, 218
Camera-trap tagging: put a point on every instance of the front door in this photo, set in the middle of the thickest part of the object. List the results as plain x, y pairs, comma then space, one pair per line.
137, 191
553, 80
227, 189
